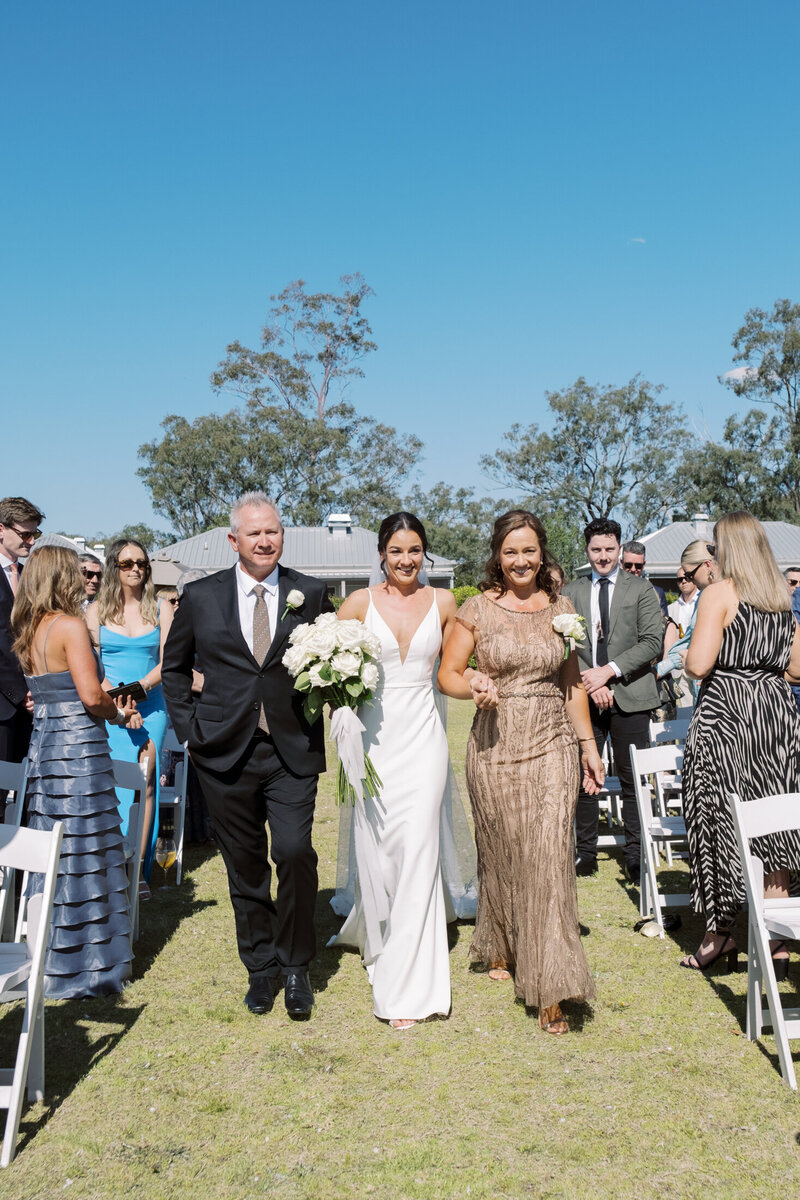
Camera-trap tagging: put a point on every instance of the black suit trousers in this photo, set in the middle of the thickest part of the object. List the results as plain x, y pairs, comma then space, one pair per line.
274, 936
622, 730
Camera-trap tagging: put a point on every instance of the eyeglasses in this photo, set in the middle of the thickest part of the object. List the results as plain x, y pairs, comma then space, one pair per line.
25, 534
793, 582
92, 574
632, 566
685, 579
127, 564
689, 575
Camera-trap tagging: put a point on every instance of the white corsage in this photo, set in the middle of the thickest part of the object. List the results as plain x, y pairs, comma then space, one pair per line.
573, 630
294, 600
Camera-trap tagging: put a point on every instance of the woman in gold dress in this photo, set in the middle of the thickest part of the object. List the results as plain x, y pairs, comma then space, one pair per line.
523, 770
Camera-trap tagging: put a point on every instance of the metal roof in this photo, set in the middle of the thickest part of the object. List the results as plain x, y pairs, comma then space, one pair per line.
314, 550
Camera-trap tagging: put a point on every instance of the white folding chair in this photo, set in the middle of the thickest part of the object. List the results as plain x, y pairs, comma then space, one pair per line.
14, 780
669, 789
657, 830
174, 797
132, 777
22, 970
610, 801
767, 918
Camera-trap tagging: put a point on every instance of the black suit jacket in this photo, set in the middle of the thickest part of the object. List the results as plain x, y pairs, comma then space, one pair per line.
13, 688
219, 724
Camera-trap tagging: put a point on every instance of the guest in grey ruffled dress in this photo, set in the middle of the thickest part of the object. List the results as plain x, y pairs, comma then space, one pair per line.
70, 779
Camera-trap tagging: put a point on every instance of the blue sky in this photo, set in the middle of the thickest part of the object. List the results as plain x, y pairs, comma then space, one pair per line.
534, 191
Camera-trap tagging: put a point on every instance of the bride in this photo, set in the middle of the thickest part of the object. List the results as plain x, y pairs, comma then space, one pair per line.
399, 919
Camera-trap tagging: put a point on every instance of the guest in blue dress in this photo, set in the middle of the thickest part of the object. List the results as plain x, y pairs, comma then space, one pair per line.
70, 780
130, 629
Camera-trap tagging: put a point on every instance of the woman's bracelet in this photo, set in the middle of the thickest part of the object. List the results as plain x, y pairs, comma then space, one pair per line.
119, 719
589, 739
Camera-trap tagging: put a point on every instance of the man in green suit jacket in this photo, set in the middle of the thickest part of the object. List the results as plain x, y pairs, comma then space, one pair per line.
625, 633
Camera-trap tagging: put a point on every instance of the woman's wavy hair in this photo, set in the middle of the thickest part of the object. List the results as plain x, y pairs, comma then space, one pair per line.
110, 601
51, 583
517, 518
389, 527
745, 558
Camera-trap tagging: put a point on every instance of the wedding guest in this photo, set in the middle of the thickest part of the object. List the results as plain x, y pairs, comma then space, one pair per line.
92, 572
625, 629
745, 733
558, 576
697, 570
19, 529
130, 629
70, 779
398, 921
633, 560
792, 577
523, 769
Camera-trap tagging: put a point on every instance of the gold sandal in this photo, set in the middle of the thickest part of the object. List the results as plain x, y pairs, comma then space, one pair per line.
552, 1020
498, 970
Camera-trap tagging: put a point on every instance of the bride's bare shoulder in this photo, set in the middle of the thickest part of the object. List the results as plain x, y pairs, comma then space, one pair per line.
355, 606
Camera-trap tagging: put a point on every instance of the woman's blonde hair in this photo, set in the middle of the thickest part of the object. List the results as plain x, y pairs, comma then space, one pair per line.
746, 559
51, 583
696, 552
110, 601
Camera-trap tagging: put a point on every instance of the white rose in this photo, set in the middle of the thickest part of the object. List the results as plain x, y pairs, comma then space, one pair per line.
372, 644
570, 626
295, 599
295, 659
322, 643
351, 635
369, 676
326, 619
316, 678
301, 634
346, 663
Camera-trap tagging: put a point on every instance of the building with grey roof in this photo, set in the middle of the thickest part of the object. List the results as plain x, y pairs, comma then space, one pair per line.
343, 554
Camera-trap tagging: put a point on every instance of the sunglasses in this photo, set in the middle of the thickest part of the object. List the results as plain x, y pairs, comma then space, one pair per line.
173, 600
127, 564
92, 574
25, 534
712, 549
684, 579
629, 566
793, 582
689, 575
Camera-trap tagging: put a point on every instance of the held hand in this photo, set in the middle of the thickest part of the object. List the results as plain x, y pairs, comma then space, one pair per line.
603, 698
128, 709
596, 678
134, 719
594, 773
484, 692
28, 702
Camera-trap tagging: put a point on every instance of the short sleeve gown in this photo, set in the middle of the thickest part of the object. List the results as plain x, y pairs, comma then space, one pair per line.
126, 659
523, 774
744, 738
70, 781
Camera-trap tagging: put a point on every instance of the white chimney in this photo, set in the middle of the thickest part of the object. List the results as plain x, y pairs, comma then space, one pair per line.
340, 524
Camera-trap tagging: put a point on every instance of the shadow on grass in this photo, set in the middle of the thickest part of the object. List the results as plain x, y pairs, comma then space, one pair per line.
79, 1033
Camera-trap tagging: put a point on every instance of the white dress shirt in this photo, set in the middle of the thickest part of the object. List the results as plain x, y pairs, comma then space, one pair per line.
595, 611
6, 565
247, 602
682, 611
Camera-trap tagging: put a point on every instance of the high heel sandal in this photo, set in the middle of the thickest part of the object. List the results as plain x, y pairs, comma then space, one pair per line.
498, 970
780, 965
552, 1020
402, 1025
692, 962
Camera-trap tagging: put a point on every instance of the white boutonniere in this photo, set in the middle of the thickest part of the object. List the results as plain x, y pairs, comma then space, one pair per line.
295, 599
573, 630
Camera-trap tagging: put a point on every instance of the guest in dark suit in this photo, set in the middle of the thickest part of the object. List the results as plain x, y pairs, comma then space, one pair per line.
19, 529
257, 758
625, 629
633, 560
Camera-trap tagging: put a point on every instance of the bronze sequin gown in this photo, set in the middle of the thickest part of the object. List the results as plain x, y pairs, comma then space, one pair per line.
523, 773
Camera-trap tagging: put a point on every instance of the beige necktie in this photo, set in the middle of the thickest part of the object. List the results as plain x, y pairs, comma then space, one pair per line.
261, 639
14, 577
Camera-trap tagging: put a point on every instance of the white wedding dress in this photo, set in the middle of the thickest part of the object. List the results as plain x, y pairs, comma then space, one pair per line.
399, 918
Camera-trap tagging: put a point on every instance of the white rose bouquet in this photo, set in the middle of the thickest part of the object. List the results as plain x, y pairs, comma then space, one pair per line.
334, 662
573, 630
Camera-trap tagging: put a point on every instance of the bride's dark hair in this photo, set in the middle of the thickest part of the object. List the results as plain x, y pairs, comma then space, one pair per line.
494, 579
401, 520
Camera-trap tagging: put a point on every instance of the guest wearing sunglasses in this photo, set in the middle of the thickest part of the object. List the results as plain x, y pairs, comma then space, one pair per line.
130, 628
633, 561
697, 570
19, 529
92, 572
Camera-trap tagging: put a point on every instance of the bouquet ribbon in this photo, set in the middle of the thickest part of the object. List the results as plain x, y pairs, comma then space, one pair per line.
346, 730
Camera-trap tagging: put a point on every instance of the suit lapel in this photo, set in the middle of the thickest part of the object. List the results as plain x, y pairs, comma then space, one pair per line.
282, 627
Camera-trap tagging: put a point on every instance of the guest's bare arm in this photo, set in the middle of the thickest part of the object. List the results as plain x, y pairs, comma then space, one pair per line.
456, 678
577, 706
716, 608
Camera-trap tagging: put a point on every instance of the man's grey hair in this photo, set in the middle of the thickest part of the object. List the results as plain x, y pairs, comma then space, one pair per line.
189, 577
252, 500
90, 558
635, 548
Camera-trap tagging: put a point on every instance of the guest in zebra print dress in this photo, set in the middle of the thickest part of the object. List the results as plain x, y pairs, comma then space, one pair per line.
745, 733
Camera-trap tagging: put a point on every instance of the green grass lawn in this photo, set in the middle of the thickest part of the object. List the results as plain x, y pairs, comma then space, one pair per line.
174, 1089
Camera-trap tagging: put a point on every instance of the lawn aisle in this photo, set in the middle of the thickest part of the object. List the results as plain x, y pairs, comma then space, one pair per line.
176, 1090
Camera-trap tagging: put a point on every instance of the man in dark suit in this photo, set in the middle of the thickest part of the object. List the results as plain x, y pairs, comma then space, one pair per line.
625, 629
257, 758
19, 529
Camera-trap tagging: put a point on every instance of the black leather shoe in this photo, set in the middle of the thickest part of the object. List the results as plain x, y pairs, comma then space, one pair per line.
298, 995
633, 872
585, 865
261, 994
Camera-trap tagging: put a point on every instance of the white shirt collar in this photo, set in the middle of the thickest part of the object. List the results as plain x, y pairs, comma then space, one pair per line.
247, 583
5, 562
612, 578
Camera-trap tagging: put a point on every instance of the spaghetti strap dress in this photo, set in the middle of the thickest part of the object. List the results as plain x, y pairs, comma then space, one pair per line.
70, 780
126, 659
